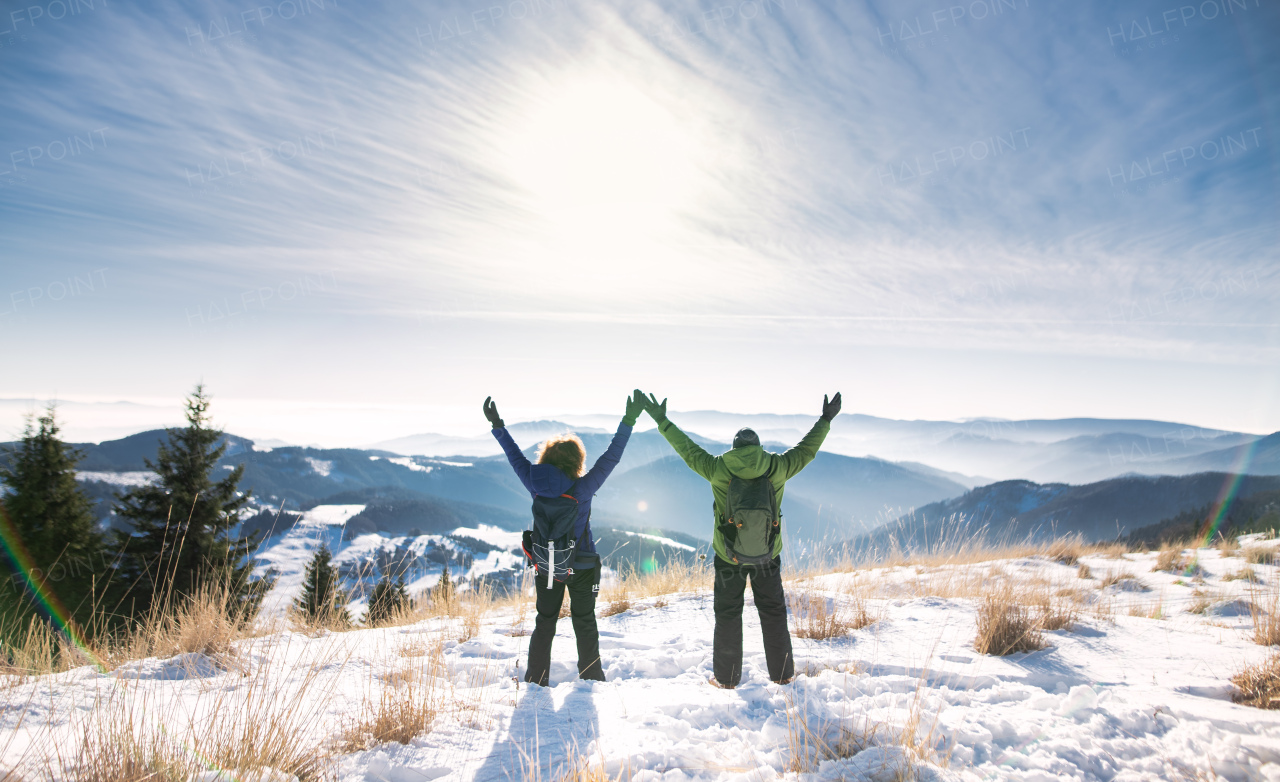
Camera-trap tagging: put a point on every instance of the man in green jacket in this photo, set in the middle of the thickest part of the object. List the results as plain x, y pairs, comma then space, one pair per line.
739, 469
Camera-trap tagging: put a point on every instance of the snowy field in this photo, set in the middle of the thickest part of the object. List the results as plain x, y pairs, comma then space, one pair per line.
1138, 689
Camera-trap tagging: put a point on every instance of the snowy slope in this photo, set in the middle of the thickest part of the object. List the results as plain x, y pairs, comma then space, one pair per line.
1121, 697
287, 555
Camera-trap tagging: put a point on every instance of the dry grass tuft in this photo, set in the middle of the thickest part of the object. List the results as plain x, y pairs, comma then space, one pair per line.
1173, 560
1065, 550
1259, 685
1243, 574
1264, 609
1228, 547
402, 712
1059, 614
1083, 571
1200, 602
616, 606
583, 770
820, 618
1005, 625
41, 650
1112, 550
1119, 579
1151, 611
812, 742
1259, 555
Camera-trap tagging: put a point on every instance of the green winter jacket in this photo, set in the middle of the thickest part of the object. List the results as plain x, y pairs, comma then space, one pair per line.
749, 461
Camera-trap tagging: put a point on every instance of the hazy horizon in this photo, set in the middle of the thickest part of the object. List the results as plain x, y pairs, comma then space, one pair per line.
346, 426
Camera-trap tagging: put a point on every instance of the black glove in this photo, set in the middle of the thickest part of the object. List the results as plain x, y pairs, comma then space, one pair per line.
491, 412
831, 409
656, 411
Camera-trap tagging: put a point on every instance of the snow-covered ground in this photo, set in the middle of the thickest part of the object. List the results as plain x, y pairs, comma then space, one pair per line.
1122, 696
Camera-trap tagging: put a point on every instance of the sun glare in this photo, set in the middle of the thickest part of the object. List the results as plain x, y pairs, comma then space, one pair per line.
601, 156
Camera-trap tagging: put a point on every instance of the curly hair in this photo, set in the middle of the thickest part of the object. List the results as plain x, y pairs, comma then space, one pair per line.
565, 451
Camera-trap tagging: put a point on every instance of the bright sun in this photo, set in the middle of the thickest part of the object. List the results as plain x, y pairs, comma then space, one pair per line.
602, 156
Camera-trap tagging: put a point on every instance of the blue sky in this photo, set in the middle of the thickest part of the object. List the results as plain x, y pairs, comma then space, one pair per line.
389, 211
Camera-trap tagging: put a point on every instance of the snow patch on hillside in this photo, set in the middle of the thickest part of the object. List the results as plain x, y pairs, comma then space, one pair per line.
131, 478
494, 536
407, 461
320, 466
659, 539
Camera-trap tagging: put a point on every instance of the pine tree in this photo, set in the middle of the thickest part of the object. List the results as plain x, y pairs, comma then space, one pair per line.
443, 591
322, 600
180, 541
389, 598
55, 548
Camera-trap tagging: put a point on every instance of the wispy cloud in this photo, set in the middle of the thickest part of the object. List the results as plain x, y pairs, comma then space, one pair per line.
1005, 175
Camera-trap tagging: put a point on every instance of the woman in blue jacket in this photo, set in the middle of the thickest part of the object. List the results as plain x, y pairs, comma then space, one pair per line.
559, 471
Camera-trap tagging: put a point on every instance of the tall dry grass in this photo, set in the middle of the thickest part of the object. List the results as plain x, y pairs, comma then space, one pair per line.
268, 721
1246, 573
1005, 624
1173, 559
205, 623
817, 617
1264, 610
402, 711
1259, 685
673, 578
1259, 555
961, 543
812, 740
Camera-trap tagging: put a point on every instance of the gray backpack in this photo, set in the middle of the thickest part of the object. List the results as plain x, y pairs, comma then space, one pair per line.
753, 521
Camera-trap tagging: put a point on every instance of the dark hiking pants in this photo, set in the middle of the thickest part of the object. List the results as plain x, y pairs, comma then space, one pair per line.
583, 586
766, 586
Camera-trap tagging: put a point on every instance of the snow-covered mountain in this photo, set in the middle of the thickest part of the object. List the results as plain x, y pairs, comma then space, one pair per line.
1017, 510
835, 497
364, 549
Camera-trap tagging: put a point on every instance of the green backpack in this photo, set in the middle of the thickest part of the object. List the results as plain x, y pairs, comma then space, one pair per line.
753, 521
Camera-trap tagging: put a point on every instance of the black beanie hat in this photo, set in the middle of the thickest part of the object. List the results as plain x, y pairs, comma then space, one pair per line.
745, 436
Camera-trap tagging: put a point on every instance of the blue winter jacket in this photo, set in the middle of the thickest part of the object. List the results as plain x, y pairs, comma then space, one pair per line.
546, 480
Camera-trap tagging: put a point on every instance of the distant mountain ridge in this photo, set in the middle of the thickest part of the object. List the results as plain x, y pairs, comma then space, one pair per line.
835, 497
1021, 510
1071, 450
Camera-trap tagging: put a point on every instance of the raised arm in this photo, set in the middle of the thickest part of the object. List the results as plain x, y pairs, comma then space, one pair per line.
590, 483
803, 452
518, 461
693, 454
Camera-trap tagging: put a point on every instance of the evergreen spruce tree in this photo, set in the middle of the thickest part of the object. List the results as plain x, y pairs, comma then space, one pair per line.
443, 591
322, 601
180, 539
48, 523
388, 598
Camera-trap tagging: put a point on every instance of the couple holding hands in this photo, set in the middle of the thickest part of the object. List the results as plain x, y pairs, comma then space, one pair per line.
747, 484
